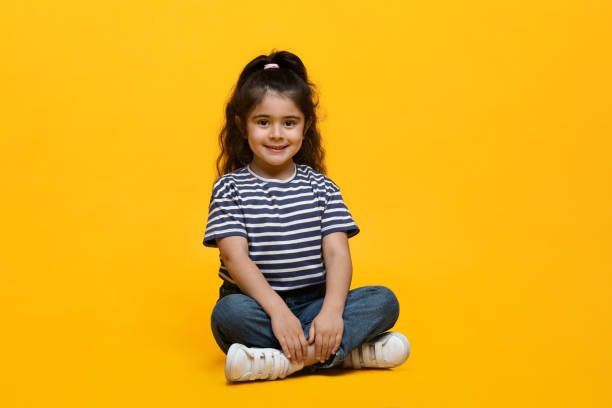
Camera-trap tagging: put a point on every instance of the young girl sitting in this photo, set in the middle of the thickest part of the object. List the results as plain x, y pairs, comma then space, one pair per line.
282, 230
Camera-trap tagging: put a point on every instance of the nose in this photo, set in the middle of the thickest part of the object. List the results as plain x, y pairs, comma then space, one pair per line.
277, 131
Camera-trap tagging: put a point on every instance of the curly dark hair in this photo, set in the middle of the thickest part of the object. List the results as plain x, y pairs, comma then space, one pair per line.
289, 80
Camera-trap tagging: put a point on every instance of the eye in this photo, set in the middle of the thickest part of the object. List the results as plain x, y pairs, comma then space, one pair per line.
262, 120
291, 122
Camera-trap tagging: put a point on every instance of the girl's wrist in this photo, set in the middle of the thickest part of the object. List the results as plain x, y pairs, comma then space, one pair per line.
332, 309
277, 307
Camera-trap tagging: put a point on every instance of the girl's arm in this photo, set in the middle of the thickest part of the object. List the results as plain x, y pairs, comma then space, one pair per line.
286, 327
327, 327
235, 255
337, 259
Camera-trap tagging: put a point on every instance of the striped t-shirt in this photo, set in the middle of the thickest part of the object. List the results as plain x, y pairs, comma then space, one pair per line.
284, 222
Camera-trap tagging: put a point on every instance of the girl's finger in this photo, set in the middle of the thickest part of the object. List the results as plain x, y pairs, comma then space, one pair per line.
291, 353
298, 350
322, 353
304, 344
283, 344
338, 342
318, 345
330, 343
311, 334
324, 348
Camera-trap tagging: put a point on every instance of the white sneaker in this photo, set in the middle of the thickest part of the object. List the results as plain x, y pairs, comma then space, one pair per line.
249, 363
386, 350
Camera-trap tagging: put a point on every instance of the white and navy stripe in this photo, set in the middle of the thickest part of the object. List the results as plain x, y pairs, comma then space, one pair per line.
284, 222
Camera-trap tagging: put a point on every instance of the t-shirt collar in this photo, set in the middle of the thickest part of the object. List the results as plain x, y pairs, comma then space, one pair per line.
271, 179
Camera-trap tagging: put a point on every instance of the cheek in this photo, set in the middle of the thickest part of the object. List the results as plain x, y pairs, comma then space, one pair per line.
253, 138
297, 138
298, 144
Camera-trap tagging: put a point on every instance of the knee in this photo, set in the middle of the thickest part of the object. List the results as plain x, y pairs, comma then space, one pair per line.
386, 300
229, 309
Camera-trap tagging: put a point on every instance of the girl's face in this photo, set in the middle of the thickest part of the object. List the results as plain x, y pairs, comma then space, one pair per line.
275, 128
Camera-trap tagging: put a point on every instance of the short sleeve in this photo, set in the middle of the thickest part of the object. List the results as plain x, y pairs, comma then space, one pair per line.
336, 216
225, 217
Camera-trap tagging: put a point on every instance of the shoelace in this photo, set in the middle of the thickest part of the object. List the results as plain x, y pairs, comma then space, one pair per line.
267, 364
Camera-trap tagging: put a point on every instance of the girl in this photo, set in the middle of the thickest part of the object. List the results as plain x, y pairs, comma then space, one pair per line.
282, 230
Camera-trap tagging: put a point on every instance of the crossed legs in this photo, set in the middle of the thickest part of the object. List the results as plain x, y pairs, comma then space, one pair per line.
369, 311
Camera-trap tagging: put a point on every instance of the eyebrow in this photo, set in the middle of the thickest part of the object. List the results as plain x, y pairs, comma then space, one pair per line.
265, 115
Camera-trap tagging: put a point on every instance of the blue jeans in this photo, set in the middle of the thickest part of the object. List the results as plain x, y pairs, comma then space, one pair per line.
238, 318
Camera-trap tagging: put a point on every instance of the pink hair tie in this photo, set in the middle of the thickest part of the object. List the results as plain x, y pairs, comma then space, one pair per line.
270, 66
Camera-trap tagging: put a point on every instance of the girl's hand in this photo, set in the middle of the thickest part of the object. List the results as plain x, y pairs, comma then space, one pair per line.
326, 330
288, 331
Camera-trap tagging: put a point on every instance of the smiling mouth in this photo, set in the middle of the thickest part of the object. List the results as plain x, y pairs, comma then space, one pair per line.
276, 148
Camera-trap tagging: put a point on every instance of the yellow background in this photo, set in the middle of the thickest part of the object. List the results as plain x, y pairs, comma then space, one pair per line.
471, 142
